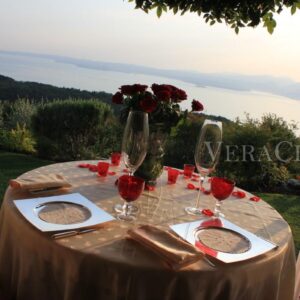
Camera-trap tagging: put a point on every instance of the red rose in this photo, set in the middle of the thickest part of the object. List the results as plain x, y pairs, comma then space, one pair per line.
127, 90
139, 88
156, 88
197, 106
148, 104
163, 95
117, 98
178, 94
130, 90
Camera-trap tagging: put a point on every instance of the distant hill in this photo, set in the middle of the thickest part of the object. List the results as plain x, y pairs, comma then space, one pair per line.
11, 89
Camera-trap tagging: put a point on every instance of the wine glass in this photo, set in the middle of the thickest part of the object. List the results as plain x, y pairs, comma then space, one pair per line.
207, 154
134, 145
221, 189
130, 188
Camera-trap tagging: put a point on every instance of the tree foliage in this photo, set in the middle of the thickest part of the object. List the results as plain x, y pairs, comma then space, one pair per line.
69, 129
235, 13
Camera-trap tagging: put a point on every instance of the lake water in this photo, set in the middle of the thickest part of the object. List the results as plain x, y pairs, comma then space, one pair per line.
227, 103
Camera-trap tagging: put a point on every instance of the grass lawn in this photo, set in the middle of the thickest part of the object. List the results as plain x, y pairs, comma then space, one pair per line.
13, 165
289, 207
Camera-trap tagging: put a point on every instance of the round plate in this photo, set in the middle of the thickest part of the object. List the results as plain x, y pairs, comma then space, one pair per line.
222, 240
63, 213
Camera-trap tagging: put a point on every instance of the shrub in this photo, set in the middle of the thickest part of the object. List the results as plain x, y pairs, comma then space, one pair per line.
18, 140
264, 172
68, 130
16, 112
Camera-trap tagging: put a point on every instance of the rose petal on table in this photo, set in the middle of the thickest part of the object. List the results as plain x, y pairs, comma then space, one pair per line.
255, 198
111, 173
209, 180
195, 179
195, 175
125, 171
206, 192
149, 187
83, 165
207, 212
181, 172
166, 168
93, 168
190, 186
239, 194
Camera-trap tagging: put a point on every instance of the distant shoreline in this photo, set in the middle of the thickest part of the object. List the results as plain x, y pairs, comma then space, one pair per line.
236, 82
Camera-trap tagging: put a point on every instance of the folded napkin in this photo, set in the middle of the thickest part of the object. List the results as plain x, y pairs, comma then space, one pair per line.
173, 250
40, 182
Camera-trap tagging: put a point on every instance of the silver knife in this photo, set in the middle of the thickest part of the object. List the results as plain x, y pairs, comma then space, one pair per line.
71, 233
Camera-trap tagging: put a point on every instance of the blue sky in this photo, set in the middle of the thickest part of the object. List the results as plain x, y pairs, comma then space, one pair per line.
113, 31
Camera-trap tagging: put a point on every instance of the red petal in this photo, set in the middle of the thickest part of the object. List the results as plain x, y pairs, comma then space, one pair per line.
195, 179
190, 186
125, 170
207, 212
149, 187
93, 168
83, 165
255, 199
239, 194
111, 173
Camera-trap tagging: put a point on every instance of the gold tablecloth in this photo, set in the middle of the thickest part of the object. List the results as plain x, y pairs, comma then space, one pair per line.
105, 265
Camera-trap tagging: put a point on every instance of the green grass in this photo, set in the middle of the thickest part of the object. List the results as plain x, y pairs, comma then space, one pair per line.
13, 165
289, 207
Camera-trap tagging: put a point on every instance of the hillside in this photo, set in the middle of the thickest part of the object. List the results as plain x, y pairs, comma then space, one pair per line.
11, 89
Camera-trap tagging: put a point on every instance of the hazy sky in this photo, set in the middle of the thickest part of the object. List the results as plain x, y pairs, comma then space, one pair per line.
112, 30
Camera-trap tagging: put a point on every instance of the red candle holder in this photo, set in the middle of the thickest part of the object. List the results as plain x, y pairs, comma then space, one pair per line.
172, 175
103, 168
115, 158
188, 170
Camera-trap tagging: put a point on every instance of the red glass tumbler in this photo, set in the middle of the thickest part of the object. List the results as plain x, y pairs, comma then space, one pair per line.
103, 168
115, 158
172, 175
188, 170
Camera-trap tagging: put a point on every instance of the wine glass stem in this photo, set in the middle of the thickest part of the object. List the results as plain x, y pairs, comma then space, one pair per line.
217, 211
202, 178
126, 209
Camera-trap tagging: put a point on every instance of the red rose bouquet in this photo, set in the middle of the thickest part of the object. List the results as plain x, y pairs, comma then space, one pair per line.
162, 102
162, 105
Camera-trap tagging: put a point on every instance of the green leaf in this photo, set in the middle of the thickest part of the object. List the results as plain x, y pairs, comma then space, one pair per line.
212, 22
236, 29
270, 28
293, 9
175, 10
159, 11
164, 7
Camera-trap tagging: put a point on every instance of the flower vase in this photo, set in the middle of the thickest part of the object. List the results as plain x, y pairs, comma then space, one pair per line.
152, 166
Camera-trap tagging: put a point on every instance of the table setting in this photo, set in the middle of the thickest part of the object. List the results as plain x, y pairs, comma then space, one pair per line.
99, 229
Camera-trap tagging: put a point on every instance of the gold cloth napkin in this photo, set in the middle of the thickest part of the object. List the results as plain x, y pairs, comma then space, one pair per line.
173, 250
40, 182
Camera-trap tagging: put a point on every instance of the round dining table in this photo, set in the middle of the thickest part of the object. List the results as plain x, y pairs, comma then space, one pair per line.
106, 264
